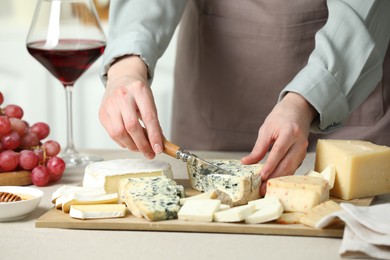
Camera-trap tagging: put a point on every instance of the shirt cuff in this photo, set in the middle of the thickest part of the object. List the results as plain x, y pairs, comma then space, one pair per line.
320, 89
134, 45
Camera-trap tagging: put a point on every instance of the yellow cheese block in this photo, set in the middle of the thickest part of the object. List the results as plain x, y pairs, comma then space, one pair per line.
362, 168
298, 193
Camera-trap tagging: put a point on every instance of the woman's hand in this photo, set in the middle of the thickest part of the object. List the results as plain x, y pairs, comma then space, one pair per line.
286, 129
128, 99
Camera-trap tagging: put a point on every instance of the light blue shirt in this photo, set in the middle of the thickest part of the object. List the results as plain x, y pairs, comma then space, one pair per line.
343, 69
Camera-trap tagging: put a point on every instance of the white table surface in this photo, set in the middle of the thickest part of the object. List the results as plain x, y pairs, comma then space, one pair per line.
20, 239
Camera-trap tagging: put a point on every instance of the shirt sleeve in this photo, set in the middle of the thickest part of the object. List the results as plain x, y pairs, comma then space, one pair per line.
346, 64
140, 27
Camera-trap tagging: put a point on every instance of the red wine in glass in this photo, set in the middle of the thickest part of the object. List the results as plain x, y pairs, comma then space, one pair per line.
69, 59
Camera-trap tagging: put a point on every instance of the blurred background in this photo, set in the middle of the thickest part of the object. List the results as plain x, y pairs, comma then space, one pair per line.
25, 82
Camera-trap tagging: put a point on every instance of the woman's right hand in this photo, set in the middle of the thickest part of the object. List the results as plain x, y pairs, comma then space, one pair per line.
128, 99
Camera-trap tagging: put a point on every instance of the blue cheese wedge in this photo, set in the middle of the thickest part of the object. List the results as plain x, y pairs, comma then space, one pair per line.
107, 174
236, 189
154, 198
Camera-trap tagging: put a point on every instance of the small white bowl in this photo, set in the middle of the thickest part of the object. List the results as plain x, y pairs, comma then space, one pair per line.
19, 209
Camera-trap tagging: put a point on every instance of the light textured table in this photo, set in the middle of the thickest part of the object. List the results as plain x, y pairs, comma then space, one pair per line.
21, 240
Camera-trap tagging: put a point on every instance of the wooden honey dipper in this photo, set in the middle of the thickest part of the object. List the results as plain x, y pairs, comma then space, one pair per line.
9, 197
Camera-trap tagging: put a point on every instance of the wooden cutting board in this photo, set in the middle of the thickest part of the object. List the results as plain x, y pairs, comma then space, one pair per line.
17, 178
55, 218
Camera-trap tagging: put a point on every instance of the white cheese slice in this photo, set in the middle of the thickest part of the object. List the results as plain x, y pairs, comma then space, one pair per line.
77, 198
97, 211
263, 202
314, 174
107, 174
265, 213
63, 192
329, 174
203, 195
235, 214
224, 207
199, 210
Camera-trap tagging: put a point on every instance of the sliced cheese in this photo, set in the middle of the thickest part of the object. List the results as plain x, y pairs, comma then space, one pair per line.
263, 202
329, 174
314, 174
107, 174
77, 198
203, 195
97, 211
289, 218
224, 207
298, 193
199, 210
362, 168
236, 189
265, 213
312, 216
235, 214
61, 194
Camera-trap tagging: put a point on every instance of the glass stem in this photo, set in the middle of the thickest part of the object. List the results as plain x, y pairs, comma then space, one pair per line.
70, 148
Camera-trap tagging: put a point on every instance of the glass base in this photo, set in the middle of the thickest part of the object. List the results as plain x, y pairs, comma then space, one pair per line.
76, 159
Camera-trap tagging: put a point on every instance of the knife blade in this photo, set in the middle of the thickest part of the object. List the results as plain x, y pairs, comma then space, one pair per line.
205, 167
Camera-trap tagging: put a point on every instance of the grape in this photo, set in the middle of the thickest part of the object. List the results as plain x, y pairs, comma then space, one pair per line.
1, 98
29, 140
42, 130
5, 125
13, 111
40, 176
9, 160
27, 159
39, 154
52, 148
11, 141
19, 126
56, 167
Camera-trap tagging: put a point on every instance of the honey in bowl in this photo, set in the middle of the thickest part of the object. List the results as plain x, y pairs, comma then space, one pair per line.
11, 197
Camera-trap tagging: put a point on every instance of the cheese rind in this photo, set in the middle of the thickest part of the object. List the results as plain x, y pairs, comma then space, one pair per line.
107, 174
362, 168
199, 210
236, 189
97, 211
298, 193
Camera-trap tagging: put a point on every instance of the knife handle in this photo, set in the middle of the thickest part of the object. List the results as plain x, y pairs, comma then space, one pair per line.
170, 148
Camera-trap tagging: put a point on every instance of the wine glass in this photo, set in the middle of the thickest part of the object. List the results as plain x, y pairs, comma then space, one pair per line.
66, 38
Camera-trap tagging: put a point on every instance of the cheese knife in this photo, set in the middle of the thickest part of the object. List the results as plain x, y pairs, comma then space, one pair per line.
204, 166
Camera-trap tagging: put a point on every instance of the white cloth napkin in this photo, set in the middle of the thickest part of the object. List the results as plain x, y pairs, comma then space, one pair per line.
367, 230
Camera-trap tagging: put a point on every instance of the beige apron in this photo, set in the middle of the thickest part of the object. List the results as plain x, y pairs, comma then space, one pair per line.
234, 58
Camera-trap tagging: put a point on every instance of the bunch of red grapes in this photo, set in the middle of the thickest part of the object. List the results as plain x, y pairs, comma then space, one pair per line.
22, 147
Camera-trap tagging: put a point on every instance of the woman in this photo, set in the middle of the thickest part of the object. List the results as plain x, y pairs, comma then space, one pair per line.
254, 75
